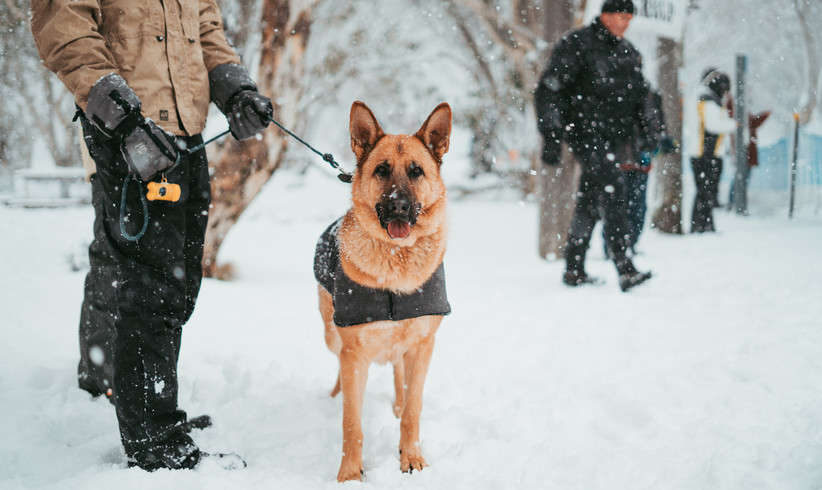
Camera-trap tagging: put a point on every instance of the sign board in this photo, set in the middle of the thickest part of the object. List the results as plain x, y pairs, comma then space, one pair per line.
664, 18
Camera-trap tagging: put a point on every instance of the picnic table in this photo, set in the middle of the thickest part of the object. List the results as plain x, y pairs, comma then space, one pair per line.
65, 177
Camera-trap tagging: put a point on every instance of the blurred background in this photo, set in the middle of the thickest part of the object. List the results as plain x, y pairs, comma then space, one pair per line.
315, 57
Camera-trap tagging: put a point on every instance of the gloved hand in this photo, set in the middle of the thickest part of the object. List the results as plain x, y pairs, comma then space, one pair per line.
235, 93
248, 113
551, 151
114, 109
668, 145
149, 150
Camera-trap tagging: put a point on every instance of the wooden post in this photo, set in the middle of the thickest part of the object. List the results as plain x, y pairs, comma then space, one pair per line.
667, 218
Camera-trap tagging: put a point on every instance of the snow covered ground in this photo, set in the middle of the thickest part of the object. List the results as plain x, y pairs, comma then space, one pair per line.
708, 377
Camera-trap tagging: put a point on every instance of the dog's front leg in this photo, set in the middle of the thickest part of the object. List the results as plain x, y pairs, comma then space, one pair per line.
399, 386
416, 369
353, 376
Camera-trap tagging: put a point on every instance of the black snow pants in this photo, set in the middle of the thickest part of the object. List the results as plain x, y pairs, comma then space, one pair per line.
707, 171
139, 294
603, 194
95, 371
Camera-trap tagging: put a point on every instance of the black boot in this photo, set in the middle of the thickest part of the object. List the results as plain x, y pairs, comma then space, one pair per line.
178, 454
578, 278
631, 279
629, 276
575, 264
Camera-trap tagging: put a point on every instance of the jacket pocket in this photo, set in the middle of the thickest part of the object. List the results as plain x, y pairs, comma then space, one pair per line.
190, 16
123, 19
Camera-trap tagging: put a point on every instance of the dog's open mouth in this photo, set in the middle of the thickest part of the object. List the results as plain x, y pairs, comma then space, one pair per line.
398, 229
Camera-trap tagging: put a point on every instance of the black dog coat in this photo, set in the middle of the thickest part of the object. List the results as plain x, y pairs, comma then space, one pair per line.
355, 304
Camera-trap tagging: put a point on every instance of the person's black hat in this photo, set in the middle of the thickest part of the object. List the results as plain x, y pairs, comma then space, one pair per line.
616, 6
717, 81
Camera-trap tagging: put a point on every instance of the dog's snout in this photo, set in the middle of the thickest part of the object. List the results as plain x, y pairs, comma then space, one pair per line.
399, 206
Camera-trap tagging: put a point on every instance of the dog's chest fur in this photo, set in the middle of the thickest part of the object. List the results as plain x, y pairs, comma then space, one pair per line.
355, 303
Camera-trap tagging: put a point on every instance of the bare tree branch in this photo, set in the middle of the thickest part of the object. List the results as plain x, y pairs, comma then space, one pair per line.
17, 12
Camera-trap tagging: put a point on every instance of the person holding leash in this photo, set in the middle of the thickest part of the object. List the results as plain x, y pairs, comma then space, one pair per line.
142, 75
592, 96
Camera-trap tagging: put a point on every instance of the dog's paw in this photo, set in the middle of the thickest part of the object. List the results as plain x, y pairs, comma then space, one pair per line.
398, 410
412, 460
349, 473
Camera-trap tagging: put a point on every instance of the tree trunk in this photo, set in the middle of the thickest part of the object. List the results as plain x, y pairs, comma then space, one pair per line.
668, 216
240, 169
556, 184
812, 60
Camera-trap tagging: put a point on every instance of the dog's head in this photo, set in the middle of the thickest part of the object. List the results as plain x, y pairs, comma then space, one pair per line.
398, 176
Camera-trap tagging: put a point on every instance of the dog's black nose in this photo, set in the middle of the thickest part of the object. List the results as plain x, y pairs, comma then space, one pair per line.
399, 206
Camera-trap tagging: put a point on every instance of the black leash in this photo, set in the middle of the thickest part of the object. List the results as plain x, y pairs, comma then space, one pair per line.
328, 157
126, 235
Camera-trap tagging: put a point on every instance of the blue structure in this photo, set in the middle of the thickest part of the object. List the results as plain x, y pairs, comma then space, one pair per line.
773, 172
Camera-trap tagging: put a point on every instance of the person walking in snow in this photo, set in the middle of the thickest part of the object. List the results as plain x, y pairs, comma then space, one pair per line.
714, 120
591, 95
143, 74
653, 139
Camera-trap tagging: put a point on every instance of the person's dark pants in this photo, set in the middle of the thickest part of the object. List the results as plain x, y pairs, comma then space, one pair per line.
716, 169
706, 175
95, 371
151, 286
636, 184
602, 194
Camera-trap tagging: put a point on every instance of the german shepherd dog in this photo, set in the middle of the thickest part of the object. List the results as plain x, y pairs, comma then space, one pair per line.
382, 287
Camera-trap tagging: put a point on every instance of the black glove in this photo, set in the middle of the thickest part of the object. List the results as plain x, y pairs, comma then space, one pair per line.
235, 93
149, 150
248, 113
551, 151
114, 109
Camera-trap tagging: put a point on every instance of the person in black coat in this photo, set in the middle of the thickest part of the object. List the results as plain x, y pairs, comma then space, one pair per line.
592, 96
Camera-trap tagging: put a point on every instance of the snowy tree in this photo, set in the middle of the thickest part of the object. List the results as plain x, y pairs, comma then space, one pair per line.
401, 58
241, 168
13, 20
36, 106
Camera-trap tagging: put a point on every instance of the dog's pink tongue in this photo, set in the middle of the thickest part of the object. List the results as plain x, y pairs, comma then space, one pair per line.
398, 229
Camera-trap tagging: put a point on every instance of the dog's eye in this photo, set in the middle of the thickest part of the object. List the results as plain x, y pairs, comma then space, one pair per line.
415, 171
382, 170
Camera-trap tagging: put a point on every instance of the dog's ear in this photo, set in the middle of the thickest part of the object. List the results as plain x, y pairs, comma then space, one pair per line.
436, 131
365, 130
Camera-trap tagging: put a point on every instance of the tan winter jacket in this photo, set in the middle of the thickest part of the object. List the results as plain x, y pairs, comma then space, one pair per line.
164, 50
